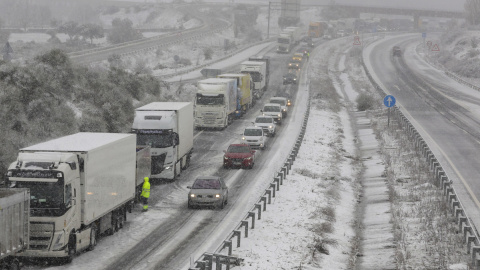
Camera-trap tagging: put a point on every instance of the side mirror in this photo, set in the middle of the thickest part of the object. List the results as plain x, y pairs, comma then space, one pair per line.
253, 151
261, 110
189, 187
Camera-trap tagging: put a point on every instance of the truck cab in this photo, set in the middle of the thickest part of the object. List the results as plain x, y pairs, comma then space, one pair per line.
167, 127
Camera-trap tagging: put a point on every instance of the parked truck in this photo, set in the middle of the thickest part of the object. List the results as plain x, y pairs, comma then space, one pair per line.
81, 186
167, 127
259, 73
285, 43
296, 34
265, 59
216, 103
245, 89
288, 39
14, 225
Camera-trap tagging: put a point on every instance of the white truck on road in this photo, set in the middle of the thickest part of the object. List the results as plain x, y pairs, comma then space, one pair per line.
288, 38
217, 103
81, 185
14, 224
259, 73
167, 127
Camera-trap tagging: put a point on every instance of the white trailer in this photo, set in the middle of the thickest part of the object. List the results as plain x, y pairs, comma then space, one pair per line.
14, 225
216, 103
285, 42
296, 34
81, 185
259, 73
167, 127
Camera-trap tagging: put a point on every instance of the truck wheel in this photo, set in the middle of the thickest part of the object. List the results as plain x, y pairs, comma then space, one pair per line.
72, 248
93, 238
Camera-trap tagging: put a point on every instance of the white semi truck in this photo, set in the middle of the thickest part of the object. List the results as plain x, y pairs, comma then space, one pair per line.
81, 185
259, 73
167, 127
14, 225
288, 39
217, 103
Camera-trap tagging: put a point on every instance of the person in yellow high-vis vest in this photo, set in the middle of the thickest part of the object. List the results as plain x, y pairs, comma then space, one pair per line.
145, 194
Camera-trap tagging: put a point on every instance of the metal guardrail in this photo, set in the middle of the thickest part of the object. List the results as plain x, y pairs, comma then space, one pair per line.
465, 226
207, 260
460, 80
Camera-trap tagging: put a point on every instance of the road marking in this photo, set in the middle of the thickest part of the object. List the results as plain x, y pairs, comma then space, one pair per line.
198, 134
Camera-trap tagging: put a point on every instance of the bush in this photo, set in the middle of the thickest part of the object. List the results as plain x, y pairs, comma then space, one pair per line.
365, 102
184, 62
208, 53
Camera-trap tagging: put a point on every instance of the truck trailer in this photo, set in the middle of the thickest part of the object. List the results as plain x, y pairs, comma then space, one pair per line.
167, 127
259, 73
245, 89
14, 225
216, 103
81, 186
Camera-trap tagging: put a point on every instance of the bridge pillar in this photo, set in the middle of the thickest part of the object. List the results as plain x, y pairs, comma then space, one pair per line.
416, 21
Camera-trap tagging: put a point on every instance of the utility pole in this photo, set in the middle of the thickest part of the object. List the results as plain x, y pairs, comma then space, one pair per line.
268, 29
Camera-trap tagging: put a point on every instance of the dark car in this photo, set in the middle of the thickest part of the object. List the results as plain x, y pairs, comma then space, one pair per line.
239, 155
208, 191
396, 51
294, 64
290, 78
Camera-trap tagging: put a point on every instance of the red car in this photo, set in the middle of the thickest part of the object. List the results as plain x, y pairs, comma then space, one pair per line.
239, 155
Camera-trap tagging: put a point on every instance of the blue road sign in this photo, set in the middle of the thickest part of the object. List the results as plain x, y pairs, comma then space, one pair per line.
424, 35
389, 101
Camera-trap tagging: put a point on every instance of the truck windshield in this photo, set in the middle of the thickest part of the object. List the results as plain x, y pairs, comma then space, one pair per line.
209, 100
155, 140
283, 40
44, 195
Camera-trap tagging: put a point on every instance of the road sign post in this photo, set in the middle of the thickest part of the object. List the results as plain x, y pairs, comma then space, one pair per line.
389, 102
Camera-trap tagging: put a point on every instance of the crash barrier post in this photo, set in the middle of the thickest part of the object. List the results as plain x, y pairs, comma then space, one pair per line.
264, 200
259, 208
269, 194
237, 234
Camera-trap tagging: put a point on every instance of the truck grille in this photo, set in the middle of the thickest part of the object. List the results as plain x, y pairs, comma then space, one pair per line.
41, 234
157, 163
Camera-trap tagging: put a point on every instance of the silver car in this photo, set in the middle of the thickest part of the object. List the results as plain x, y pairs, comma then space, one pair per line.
255, 137
208, 191
267, 123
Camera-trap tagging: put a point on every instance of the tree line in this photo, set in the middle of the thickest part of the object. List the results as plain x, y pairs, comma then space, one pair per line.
50, 97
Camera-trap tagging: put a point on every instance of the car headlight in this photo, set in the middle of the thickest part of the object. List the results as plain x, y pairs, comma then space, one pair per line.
217, 195
243, 138
294, 79
192, 195
168, 168
284, 110
224, 157
248, 158
279, 115
270, 126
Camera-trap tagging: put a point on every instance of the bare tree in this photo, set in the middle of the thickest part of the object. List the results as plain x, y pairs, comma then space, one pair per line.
472, 9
